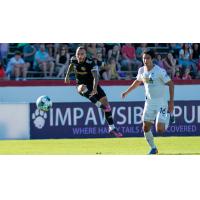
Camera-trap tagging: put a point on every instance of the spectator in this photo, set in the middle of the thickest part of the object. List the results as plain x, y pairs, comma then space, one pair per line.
113, 67
50, 50
196, 53
185, 58
20, 47
37, 46
92, 50
62, 61
57, 47
105, 73
198, 70
170, 65
109, 46
109, 70
29, 52
139, 51
101, 48
177, 75
17, 66
186, 75
159, 61
175, 49
115, 53
129, 60
72, 47
99, 60
43, 61
4, 48
2, 71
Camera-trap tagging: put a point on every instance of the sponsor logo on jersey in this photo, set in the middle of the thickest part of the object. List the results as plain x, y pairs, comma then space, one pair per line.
150, 80
83, 68
81, 73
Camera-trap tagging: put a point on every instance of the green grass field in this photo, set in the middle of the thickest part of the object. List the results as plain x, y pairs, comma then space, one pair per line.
108, 146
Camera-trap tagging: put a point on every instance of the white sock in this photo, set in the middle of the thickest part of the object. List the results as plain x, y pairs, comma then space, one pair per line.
167, 121
98, 104
150, 139
111, 127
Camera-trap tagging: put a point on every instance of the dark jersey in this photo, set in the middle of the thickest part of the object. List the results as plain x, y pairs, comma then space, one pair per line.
83, 71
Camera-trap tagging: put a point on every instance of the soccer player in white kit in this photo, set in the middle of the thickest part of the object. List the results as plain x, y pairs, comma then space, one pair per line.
156, 105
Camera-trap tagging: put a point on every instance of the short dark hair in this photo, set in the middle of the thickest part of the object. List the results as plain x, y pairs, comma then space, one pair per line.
18, 53
149, 52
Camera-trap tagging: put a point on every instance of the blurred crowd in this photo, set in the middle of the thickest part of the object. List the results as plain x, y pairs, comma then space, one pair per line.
116, 61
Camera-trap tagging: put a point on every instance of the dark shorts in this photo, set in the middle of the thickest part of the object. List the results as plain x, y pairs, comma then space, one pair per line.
101, 73
100, 93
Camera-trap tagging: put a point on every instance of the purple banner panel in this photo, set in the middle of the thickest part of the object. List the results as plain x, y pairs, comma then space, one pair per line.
84, 120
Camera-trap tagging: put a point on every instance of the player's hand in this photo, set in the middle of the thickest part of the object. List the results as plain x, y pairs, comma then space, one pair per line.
124, 94
67, 81
94, 91
171, 106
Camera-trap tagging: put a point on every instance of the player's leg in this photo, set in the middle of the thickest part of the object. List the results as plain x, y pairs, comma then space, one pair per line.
84, 91
162, 119
148, 117
100, 100
149, 137
109, 118
160, 127
101, 96
104, 101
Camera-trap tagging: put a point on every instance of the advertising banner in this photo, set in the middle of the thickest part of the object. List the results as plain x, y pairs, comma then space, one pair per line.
14, 121
84, 120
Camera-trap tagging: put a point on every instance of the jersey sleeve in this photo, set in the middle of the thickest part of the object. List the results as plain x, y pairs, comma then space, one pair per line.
94, 66
73, 60
164, 76
139, 75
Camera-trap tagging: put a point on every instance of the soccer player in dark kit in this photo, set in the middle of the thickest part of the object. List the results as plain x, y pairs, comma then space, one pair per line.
87, 78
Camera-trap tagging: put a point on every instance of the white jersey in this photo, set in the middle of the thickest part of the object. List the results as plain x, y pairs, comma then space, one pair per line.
154, 83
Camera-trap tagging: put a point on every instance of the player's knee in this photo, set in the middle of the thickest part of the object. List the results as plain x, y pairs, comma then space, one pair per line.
146, 128
106, 108
82, 89
160, 129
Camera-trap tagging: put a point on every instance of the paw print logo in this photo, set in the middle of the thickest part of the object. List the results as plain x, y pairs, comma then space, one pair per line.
39, 118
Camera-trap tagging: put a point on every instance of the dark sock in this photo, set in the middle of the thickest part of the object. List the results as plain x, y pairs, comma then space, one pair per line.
109, 118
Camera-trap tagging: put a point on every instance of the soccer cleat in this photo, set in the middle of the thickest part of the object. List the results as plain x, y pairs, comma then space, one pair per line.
115, 133
153, 151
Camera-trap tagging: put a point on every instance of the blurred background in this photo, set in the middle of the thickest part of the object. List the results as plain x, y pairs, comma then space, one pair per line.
116, 61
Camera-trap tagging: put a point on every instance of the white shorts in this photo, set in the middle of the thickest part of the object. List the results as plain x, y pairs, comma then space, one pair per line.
156, 112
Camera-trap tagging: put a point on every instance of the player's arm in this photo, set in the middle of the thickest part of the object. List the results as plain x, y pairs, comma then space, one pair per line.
134, 85
69, 70
171, 96
95, 74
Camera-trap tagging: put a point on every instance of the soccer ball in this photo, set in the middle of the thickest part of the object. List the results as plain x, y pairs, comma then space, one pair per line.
44, 103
